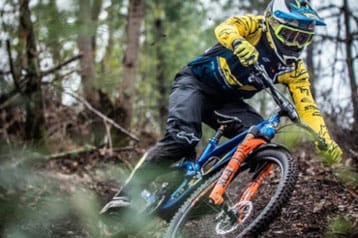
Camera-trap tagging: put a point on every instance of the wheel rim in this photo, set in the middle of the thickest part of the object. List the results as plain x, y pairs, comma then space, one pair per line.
227, 225
205, 224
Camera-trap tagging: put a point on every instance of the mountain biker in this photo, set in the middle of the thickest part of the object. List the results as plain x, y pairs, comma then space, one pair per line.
220, 80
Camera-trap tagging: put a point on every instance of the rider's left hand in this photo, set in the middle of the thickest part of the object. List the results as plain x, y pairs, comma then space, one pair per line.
332, 154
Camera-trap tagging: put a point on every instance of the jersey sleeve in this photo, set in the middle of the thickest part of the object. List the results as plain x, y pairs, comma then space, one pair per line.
235, 28
299, 86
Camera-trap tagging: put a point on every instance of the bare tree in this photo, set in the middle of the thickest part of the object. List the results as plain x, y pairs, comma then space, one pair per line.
350, 58
28, 61
311, 66
344, 40
87, 18
127, 90
160, 71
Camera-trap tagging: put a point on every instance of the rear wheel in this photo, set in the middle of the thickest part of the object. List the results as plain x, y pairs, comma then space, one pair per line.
237, 218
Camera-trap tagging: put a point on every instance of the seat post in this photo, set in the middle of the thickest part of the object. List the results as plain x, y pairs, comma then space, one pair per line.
219, 132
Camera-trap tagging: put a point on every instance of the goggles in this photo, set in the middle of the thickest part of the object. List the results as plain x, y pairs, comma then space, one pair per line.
291, 36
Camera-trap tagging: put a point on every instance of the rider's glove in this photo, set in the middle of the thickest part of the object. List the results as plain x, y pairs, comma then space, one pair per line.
246, 52
332, 153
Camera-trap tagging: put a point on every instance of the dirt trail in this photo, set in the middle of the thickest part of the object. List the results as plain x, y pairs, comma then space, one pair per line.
318, 196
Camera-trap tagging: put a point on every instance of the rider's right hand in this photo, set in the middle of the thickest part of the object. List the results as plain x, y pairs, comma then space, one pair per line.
246, 52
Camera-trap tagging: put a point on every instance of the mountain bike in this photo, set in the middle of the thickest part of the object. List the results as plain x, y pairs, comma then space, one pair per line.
234, 188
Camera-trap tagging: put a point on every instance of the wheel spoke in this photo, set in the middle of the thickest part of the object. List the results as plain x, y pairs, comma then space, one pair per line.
199, 218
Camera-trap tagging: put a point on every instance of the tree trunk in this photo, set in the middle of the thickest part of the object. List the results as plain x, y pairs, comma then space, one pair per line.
53, 44
349, 55
32, 89
311, 68
160, 75
127, 90
86, 42
105, 63
88, 15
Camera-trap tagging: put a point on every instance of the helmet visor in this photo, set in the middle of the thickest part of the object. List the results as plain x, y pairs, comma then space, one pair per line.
291, 36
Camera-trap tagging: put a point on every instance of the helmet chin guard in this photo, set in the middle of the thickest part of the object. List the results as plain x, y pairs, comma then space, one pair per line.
287, 55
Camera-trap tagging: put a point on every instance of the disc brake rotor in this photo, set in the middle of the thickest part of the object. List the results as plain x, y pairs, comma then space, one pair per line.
229, 220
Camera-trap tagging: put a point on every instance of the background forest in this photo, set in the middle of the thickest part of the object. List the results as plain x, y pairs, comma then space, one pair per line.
84, 86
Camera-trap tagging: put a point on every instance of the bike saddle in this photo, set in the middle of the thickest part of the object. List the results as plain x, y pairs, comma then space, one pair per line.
223, 119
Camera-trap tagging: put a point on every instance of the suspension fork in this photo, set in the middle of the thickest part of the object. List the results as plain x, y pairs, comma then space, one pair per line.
249, 144
250, 192
254, 186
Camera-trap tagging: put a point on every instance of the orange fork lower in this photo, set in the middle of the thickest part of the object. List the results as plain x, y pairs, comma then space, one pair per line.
251, 191
254, 186
231, 169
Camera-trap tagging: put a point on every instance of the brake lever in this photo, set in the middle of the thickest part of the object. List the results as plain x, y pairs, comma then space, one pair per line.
261, 70
286, 106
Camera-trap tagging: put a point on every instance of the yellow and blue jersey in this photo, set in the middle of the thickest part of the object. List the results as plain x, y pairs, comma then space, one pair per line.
220, 68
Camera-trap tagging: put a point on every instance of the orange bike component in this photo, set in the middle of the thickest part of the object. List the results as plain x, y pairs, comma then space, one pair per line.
254, 186
233, 166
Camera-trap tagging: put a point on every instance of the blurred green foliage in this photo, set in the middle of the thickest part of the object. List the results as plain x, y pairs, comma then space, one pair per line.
348, 175
34, 204
342, 226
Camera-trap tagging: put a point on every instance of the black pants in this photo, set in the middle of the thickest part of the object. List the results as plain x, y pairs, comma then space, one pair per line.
192, 102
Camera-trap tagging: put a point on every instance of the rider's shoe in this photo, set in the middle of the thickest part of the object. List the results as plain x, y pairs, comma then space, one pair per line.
116, 204
110, 219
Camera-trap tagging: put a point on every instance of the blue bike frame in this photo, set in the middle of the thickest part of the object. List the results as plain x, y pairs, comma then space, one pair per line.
193, 170
266, 128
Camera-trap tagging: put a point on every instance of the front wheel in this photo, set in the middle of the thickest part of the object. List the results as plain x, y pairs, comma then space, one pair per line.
237, 217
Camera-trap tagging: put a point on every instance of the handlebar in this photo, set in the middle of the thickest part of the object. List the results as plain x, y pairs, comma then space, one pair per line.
286, 106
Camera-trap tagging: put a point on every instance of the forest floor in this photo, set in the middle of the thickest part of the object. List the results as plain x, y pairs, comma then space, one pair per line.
318, 198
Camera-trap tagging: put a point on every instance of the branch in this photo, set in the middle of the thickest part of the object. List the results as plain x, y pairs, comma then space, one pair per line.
57, 67
62, 77
108, 139
86, 148
354, 153
328, 7
332, 15
69, 73
353, 36
101, 115
354, 17
4, 72
6, 99
12, 67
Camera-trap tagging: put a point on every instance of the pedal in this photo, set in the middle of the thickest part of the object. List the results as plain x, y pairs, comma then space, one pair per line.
154, 199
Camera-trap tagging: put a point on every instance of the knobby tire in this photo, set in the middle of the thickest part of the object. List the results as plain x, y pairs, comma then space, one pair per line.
197, 213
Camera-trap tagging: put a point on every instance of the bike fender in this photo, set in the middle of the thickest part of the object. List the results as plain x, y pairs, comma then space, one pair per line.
269, 146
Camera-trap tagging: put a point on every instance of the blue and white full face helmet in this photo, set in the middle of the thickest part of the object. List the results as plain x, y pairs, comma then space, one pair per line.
290, 25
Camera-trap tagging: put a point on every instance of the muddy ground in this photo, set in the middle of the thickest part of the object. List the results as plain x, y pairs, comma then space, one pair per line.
318, 198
